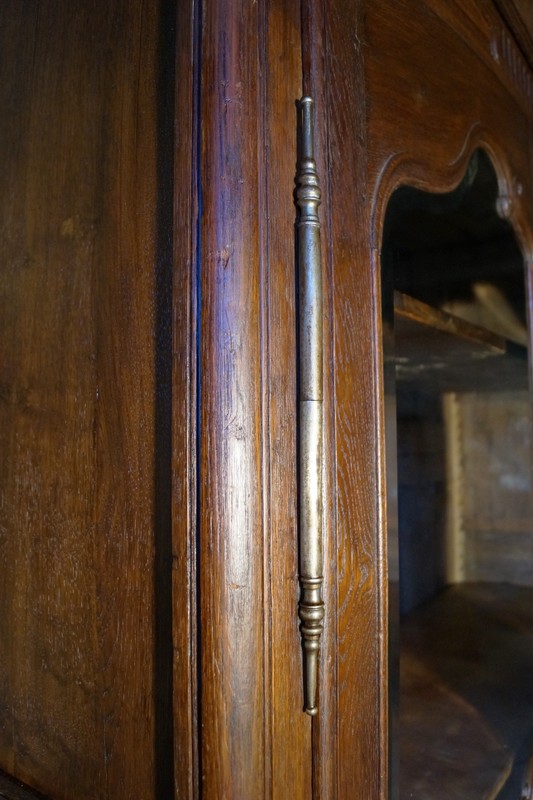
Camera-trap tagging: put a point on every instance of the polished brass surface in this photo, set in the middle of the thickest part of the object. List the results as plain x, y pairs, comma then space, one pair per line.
311, 606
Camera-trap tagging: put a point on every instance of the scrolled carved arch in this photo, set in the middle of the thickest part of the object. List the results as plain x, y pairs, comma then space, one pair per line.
405, 168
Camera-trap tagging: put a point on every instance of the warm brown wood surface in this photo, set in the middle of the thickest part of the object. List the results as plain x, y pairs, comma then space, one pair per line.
359, 659
290, 766
408, 100
184, 393
94, 319
83, 510
255, 739
518, 14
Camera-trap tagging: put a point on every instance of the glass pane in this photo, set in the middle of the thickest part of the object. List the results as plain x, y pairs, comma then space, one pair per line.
459, 493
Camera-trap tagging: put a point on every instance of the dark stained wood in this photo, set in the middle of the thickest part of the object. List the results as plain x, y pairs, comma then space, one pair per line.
446, 747
184, 408
360, 656
255, 738
465, 696
231, 537
83, 507
123, 367
444, 353
518, 14
289, 728
411, 92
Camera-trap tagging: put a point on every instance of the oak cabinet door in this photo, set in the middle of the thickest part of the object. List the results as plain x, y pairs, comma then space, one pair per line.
85, 634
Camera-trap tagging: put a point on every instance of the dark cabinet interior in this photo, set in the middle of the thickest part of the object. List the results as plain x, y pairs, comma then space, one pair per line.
454, 295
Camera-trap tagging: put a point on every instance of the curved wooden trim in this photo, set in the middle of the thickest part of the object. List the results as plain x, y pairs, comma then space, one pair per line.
404, 169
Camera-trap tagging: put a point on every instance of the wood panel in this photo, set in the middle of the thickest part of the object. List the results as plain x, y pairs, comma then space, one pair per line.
360, 680
255, 738
231, 522
184, 405
407, 102
290, 728
83, 509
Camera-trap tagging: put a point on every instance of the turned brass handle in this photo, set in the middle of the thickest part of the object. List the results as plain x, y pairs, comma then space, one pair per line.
311, 605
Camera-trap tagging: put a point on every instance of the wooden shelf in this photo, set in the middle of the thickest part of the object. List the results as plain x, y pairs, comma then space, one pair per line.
466, 696
441, 352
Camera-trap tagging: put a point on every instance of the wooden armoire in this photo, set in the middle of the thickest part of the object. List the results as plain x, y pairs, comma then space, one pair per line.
153, 466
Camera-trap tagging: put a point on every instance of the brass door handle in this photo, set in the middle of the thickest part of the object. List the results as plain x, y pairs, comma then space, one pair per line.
311, 605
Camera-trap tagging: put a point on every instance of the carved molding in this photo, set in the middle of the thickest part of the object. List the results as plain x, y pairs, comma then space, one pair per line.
518, 15
482, 27
506, 54
405, 169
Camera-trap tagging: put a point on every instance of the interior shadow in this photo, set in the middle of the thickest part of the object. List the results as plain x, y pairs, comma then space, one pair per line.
456, 370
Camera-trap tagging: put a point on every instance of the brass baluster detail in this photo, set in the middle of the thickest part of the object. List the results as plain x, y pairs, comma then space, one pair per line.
311, 606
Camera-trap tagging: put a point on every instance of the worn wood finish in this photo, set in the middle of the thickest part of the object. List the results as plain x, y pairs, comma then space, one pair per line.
431, 146
92, 330
409, 97
361, 676
289, 728
255, 739
184, 406
83, 400
518, 14
231, 475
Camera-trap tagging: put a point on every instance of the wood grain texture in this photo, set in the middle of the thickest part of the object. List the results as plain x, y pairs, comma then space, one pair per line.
290, 728
82, 512
359, 655
409, 99
447, 118
255, 738
518, 14
231, 475
184, 406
